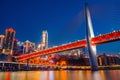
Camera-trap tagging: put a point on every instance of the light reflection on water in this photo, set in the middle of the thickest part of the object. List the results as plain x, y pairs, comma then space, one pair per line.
61, 75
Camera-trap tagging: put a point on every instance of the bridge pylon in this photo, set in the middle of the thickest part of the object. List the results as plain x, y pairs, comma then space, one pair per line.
89, 35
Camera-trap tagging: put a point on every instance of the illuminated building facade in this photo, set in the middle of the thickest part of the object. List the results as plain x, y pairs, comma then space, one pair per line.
1, 41
15, 47
44, 43
44, 39
9, 40
28, 47
39, 47
20, 48
105, 60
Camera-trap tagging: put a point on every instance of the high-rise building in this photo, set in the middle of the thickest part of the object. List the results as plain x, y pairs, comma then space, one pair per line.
20, 48
44, 39
44, 43
15, 47
29, 46
9, 40
1, 41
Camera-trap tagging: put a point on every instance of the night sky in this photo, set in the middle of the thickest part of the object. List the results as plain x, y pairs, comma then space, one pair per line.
63, 19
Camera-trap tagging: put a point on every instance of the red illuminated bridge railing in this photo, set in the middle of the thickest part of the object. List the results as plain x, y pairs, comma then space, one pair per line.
101, 39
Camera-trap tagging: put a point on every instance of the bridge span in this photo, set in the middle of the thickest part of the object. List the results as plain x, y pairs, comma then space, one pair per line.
101, 39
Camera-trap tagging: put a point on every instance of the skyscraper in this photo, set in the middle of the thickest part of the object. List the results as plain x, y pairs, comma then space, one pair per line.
44, 39
9, 40
44, 43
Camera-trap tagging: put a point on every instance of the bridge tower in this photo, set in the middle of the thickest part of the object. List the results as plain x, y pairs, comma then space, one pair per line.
89, 35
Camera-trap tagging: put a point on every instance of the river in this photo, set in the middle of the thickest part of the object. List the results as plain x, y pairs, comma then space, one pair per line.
61, 75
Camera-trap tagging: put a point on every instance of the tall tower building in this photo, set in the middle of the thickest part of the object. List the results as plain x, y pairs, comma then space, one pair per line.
9, 40
44, 39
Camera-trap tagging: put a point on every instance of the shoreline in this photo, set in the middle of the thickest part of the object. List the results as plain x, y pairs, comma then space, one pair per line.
117, 67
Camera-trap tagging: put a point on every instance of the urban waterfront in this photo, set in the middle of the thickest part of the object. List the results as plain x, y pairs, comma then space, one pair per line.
44, 41
61, 75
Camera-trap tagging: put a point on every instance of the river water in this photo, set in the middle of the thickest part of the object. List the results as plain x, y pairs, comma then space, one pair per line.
61, 75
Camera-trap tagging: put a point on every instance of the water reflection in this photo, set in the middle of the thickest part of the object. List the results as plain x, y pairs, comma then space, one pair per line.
96, 75
61, 75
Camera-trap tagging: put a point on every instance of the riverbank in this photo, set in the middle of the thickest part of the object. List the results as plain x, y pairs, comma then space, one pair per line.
23, 67
114, 67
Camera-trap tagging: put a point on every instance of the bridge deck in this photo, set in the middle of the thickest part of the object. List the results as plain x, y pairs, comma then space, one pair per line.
101, 39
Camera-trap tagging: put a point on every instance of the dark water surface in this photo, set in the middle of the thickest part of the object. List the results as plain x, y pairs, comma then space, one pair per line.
61, 75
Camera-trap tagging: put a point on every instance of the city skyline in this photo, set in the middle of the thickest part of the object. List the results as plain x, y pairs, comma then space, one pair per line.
65, 22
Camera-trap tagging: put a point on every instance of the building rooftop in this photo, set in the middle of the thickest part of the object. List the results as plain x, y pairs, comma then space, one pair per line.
10, 29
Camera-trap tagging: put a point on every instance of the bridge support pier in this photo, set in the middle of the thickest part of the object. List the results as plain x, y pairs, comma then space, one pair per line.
89, 35
3, 67
27, 65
